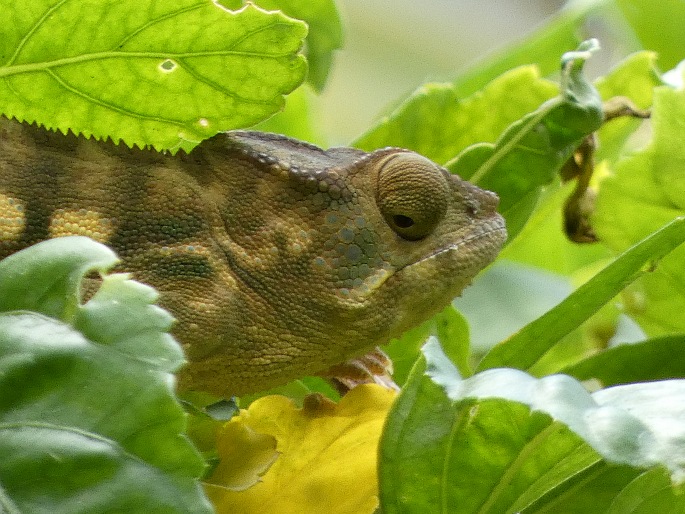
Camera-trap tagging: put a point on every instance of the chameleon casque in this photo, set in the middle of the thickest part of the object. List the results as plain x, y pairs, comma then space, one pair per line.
277, 258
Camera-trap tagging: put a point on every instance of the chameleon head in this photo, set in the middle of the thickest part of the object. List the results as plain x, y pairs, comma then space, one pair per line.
331, 253
430, 234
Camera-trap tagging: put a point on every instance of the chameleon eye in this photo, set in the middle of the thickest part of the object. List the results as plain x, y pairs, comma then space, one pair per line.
412, 195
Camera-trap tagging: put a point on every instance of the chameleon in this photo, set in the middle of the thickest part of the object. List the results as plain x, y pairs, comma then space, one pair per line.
277, 258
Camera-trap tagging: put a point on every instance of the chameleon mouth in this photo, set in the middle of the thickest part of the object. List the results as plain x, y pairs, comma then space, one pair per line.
423, 287
492, 229
492, 232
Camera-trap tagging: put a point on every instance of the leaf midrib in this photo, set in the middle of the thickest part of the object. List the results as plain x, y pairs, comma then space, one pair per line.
6, 71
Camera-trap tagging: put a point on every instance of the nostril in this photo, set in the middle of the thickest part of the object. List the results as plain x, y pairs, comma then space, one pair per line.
472, 209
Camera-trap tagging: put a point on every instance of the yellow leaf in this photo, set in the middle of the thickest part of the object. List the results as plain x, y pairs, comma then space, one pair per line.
245, 456
326, 455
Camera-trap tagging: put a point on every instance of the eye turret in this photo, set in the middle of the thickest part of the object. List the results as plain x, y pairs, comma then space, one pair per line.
412, 195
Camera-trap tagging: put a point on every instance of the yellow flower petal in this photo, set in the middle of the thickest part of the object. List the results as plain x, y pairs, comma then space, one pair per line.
326, 455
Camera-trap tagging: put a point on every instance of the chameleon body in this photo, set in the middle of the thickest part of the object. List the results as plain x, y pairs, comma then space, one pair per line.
277, 258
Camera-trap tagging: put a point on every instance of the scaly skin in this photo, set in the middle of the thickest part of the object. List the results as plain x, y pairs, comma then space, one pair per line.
277, 258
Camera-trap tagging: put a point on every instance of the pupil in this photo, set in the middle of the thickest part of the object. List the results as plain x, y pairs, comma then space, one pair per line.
402, 221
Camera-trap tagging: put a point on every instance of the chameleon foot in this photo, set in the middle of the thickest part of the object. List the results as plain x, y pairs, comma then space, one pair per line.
373, 368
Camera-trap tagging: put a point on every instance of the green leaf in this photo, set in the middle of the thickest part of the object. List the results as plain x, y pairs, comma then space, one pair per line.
404, 350
47, 279
297, 391
542, 244
646, 191
658, 26
294, 120
166, 74
654, 359
637, 424
452, 330
503, 441
531, 151
88, 415
436, 122
141, 330
635, 78
324, 37
440, 456
55, 469
526, 347
650, 492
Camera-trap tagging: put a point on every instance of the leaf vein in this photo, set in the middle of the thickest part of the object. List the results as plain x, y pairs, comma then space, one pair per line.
514, 141
159, 19
201, 78
41, 66
32, 31
108, 105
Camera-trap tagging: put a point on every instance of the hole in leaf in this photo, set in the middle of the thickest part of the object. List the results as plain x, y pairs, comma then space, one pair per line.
167, 66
